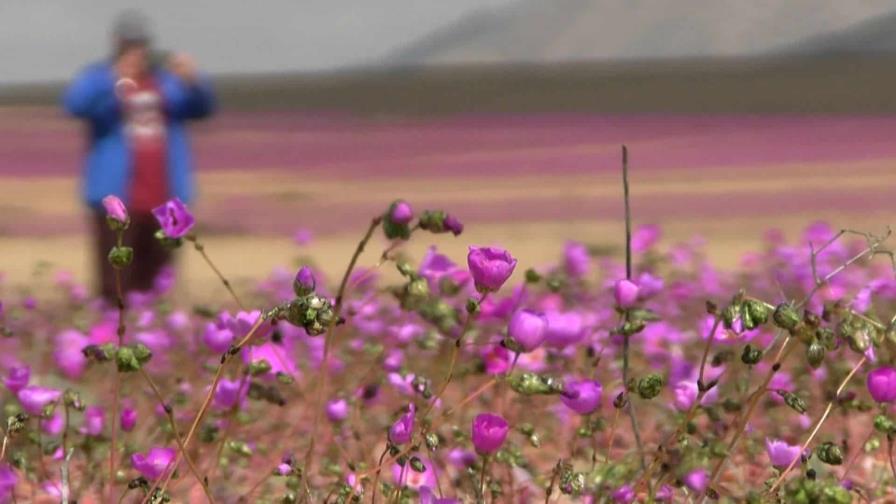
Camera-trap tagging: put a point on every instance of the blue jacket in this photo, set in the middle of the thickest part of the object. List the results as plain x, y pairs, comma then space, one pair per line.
91, 96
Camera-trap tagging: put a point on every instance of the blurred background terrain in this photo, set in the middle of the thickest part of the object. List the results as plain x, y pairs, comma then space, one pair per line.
739, 116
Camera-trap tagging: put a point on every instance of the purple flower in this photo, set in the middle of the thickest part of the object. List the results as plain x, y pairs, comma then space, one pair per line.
174, 218
624, 495
564, 328
696, 480
488, 433
645, 237
94, 420
405, 476
583, 397
453, 225
68, 355
781, 454
337, 410
8, 480
490, 267
128, 419
54, 424
882, 384
303, 236
403, 428
428, 497
217, 337
576, 259
304, 282
626, 294
664, 494
115, 209
229, 394
153, 464
34, 398
528, 329
17, 378
401, 212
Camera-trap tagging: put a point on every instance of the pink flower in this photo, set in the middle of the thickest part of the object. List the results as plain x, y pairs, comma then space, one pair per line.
403, 428
626, 294
153, 464
781, 454
882, 384
488, 433
17, 378
174, 218
490, 267
68, 355
34, 398
528, 329
115, 209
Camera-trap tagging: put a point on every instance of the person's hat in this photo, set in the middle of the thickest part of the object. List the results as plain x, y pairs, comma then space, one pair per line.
132, 27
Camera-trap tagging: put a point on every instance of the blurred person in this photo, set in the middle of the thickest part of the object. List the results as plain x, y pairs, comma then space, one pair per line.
135, 106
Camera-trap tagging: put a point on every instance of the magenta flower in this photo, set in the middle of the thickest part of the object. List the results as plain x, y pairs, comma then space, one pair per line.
528, 329
401, 212
645, 237
583, 396
490, 267
624, 495
153, 464
68, 355
882, 384
229, 394
576, 259
337, 410
781, 454
8, 480
54, 424
686, 392
428, 497
405, 476
304, 282
94, 420
696, 480
34, 398
17, 378
488, 433
174, 218
128, 419
115, 209
564, 328
403, 428
626, 294
453, 225
217, 337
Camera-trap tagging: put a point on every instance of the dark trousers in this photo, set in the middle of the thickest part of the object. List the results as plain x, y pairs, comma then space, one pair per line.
149, 255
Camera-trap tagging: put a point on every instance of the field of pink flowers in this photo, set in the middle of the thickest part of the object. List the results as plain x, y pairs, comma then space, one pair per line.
654, 378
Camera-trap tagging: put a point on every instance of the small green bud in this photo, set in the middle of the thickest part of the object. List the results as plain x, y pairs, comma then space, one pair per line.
794, 401
72, 399
142, 353
532, 276
632, 326
830, 454
259, 367
394, 230
418, 288
751, 355
651, 386
786, 317
730, 314
432, 441
126, 360
533, 384
815, 354
120, 256
240, 448
884, 425
417, 465
405, 268
432, 221
757, 310
472, 306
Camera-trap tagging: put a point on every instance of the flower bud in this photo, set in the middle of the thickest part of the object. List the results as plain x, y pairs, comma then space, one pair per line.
142, 353
527, 329
453, 225
403, 429
417, 465
731, 313
815, 354
795, 402
757, 310
128, 419
174, 218
651, 386
882, 384
259, 367
116, 213
490, 267
626, 294
786, 317
401, 212
126, 360
829, 453
304, 282
884, 425
532, 384
751, 355
120, 256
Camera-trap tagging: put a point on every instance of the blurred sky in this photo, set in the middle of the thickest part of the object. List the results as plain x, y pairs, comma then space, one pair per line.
51, 39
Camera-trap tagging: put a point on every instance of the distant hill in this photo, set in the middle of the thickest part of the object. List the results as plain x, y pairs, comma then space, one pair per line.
550, 31
873, 36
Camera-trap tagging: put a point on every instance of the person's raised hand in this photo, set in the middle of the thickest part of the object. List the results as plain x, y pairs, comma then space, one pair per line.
183, 66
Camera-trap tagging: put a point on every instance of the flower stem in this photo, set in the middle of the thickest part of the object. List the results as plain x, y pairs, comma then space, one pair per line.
201, 249
824, 416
